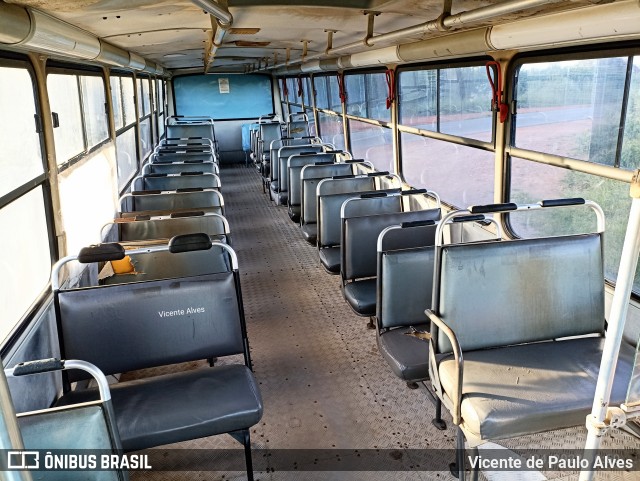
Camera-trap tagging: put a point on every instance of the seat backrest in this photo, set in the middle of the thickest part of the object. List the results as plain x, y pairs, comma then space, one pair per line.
188, 180
184, 131
360, 237
404, 275
298, 128
500, 293
125, 327
210, 224
291, 180
268, 132
331, 193
168, 201
165, 265
310, 177
163, 157
280, 165
179, 167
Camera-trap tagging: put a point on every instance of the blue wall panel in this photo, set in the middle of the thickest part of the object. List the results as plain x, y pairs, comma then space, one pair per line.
249, 96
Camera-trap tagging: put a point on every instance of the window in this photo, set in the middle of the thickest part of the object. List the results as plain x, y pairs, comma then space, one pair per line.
572, 108
161, 107
126, 143
587, 109
64, 96
331, 129
454, 101
21, 155
372, 143
224, 97
25, 252
126, 157
24, 256
78, 102
461, 175
116, 102
367, 96
322, 92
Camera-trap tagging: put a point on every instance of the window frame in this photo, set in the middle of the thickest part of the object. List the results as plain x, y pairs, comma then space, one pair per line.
57, 68
613, 172
16, 60
437, 135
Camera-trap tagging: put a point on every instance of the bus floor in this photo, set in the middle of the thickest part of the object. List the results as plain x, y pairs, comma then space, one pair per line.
324, 384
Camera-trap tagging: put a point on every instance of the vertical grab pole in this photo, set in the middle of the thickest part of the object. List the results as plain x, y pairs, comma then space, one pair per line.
10, 437
596, 421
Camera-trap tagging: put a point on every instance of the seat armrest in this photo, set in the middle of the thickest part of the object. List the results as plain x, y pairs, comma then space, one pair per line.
456, 396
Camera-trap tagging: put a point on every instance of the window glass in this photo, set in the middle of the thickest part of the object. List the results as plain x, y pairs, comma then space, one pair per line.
465, 103
20, 156
320, 87
161, 125
223, 96
306, 86
95, 114
116, 102
335, 103
161, 94
571, 108
461, 175
64, 97
28, 274
355, 90
154, 105
143, 97
372, 143
292, 89
145, 137
331, 129
417, 99
630, 155
377, 91
128, 101
532, 182
294, 109
126, 157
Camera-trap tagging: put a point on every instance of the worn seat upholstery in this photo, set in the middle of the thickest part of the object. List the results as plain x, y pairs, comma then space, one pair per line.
280, 183
213, 401
530, 331
519, 390
127, 327
167, 201
405, 284
310, 177
295, 164
331, 194
184, 180
360, 231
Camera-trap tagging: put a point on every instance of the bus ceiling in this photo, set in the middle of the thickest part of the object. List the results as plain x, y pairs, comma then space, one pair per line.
301, 36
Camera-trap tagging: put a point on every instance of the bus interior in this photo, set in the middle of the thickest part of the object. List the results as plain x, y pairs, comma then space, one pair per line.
340, 239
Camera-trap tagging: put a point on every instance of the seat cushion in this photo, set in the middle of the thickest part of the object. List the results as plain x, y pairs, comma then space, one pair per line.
532, 388
310, 233
407, 356
282, 198
294, 213
181, 406
330, 258
361, 296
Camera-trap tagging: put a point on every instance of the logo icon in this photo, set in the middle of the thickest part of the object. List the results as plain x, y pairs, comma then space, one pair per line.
23, 459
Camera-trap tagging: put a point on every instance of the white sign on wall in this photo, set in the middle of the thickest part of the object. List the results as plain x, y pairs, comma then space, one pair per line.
223, 85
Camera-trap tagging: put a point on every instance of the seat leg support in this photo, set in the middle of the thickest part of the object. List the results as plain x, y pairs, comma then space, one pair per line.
246, 441
438, 422
371, 324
